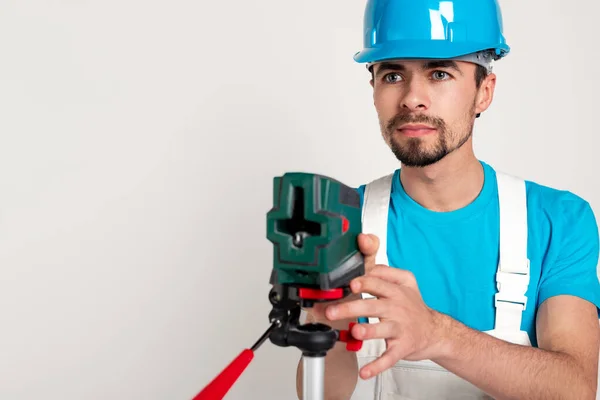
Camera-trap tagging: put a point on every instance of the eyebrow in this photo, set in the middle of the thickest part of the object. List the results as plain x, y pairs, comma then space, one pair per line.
434, 64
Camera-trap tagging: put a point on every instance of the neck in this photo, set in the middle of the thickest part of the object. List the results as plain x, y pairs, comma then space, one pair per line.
452, 183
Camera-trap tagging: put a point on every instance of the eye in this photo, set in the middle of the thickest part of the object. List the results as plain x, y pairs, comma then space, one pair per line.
440, 75
392, 78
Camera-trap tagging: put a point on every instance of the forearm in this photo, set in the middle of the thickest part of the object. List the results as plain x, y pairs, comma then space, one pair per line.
509, 371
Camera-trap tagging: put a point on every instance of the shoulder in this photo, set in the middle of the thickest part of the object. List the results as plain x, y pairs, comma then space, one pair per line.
563, 230
557, 206
566, 242
563, 243
560, 207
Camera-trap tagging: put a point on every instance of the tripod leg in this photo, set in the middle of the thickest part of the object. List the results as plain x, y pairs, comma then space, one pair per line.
313, 377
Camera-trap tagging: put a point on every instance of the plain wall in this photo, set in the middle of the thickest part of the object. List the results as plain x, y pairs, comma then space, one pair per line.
139, 143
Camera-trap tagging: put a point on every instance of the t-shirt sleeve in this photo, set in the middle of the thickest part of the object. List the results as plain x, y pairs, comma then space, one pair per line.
572, 259
361, 193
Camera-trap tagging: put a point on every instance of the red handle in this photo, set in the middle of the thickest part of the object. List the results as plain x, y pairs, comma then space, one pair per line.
218, 387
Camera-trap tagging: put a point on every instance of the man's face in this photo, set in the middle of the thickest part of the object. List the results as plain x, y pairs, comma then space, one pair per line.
427, 108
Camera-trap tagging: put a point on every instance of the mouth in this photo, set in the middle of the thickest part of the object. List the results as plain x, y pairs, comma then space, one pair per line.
416, 130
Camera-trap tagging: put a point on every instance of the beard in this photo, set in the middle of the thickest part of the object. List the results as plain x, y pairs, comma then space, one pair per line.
414, 152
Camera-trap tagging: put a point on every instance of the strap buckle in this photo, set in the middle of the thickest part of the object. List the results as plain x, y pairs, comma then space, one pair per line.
511, 299
512, 288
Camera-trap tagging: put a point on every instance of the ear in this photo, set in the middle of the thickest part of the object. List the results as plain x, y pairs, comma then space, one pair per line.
485, 94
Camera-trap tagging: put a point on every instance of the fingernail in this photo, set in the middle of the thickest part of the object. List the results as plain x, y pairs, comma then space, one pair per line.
355, 286
367, 374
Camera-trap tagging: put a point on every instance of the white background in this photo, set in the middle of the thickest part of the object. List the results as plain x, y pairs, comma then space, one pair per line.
139, 143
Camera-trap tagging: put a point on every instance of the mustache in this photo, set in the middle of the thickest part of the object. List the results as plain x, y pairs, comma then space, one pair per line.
415, 119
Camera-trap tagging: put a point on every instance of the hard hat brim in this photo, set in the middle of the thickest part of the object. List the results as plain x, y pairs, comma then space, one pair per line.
420, 49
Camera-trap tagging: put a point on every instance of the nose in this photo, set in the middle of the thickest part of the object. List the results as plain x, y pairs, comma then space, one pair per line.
416, 96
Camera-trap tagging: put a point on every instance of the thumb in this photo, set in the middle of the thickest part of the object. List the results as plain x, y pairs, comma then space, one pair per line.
368, 245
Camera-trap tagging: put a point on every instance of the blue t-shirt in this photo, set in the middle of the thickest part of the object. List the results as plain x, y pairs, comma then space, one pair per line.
454, 255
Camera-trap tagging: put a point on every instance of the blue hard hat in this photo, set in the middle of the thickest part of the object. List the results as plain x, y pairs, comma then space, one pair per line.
395, 29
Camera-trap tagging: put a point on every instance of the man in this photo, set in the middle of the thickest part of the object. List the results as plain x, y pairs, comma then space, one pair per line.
478, 284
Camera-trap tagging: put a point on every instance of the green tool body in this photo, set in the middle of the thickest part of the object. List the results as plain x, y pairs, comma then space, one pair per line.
314, 226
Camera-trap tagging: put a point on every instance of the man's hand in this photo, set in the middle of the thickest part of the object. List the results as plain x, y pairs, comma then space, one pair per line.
564, 365
412, 330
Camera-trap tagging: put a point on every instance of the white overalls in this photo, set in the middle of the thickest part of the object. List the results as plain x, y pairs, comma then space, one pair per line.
425, 379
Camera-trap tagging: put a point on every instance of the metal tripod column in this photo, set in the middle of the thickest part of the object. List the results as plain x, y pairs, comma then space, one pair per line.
313, 385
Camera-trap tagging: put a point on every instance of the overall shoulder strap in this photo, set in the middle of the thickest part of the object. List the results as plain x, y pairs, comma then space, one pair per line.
376, 201
512, 277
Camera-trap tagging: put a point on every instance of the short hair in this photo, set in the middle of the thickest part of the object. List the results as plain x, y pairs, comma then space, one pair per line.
480, 74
